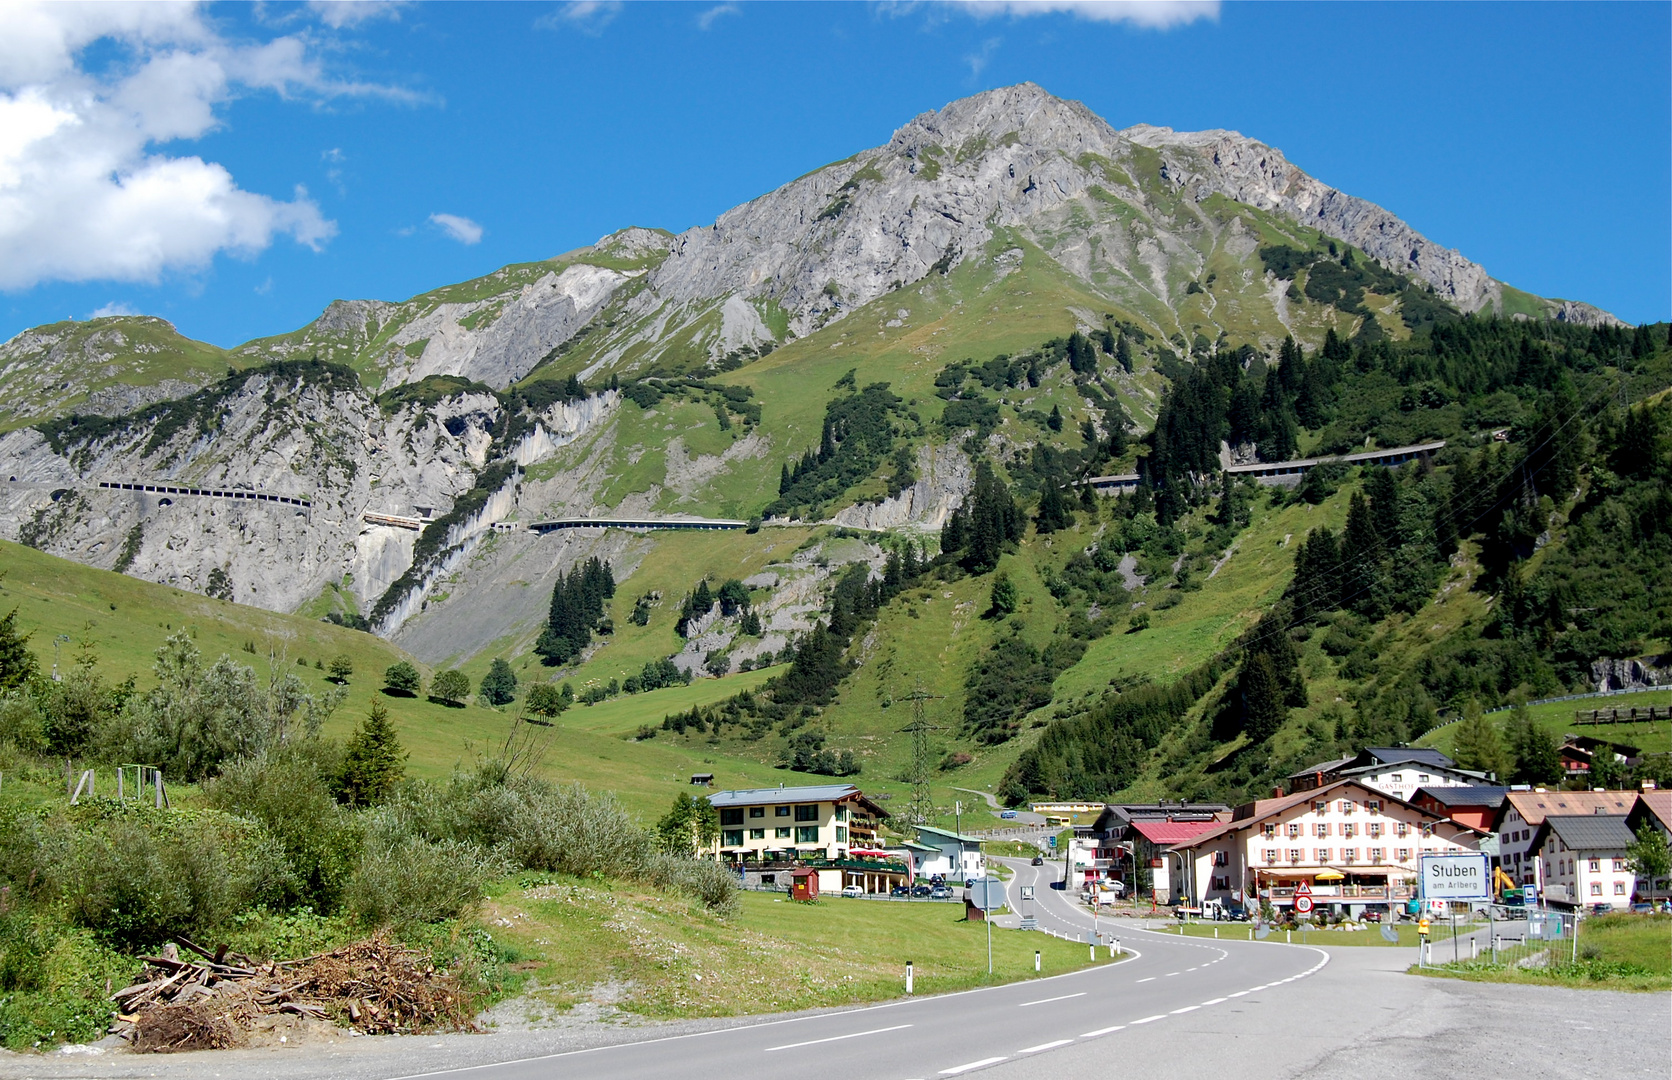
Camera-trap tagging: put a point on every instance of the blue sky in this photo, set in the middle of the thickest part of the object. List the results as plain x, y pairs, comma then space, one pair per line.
276, 157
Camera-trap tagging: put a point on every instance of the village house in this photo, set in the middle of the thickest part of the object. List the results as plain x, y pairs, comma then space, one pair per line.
1127, 836
787, 823
1585, 859
1474, 806
1352, 845
1392, 770
1524, 810
1580, 753
955, 856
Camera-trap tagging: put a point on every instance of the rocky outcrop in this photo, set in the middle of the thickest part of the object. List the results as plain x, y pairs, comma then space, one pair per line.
944, 478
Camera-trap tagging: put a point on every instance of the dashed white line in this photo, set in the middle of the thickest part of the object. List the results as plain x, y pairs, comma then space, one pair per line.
1147, 1019
1045, 1046
1046, 1001
1170, 974
1150, 979
983, 1063
836, 1038
1213, 1001
1187, 1008
1103, 1031
1239, 993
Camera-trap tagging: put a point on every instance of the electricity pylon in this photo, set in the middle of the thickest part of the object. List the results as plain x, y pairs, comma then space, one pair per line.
922, 809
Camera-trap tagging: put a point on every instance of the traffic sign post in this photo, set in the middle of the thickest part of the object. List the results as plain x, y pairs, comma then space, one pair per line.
1303, 899
987, 894
1457, 878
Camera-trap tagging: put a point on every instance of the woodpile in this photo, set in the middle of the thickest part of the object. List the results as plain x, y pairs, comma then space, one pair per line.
212, 999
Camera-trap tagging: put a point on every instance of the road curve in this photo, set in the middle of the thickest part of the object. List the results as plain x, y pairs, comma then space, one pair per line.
958, 1034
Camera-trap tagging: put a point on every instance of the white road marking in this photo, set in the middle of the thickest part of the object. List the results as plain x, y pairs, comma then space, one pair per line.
1044, 1001
836, 1038
1045, 1046
955, 1070
1187, 1008
1103, 1031
1147, 1019
1150, 979
1239, 993
1170, 974
1214, 1001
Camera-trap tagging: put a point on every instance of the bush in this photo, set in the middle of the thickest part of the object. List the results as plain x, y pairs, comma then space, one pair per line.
549, 699
499, 685
53, 979
138, 876
341, 668
700, 879
289, 791
404, 881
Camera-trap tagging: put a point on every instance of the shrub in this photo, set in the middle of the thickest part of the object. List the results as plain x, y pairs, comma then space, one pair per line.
407, 880
549, 699
700, 879
341, 668
53, 979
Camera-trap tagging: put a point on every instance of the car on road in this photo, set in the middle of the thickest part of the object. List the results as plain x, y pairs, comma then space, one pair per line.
854, 890
900, 890
1602, 909
921, 891
1038, 860
940, 892
1641, 908
1008, 815
1375, 913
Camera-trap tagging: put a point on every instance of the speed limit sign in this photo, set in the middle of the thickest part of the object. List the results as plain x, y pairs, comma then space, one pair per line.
1303, 905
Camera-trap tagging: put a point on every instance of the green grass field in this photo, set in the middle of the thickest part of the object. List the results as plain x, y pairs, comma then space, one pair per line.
1367, 938
661, 956
1614, 952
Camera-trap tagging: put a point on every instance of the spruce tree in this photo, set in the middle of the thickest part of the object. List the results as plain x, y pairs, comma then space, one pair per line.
1478, 746
373, 762
1004, 598
1054, 421
17, 663
1123, 354
1263, 711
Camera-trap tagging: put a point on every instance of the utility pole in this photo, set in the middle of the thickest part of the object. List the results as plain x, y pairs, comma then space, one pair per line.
922, 809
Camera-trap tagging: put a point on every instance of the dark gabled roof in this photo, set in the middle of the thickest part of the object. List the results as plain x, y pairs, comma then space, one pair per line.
1398, 755
1475, 795
812, 794
1325, 767
1587, 832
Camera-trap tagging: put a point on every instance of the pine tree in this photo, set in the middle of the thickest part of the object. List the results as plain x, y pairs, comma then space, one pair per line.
1263, 711
373, 762
1538, 759
17, 663
1054, 421
1054, 513
1478, 744
1123, 354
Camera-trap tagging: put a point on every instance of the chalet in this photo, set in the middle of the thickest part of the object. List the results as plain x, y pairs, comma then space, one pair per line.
788, 823
1579, 754
1585, 859
1351, 844
1124, 832
1523, 811
1474, 806
1393, 770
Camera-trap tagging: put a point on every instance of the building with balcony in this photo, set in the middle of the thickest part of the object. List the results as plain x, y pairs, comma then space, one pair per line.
1392, 770
956, 857
1351, 844
1473, 806
786, 824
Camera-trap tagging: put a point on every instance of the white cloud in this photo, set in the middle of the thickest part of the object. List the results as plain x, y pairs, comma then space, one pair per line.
706, 19
86, 190
115, 307
978, 60
461, 229
587, 16
1151, 14
340, 13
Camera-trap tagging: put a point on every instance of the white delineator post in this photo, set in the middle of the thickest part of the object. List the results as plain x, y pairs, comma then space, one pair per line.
908, 978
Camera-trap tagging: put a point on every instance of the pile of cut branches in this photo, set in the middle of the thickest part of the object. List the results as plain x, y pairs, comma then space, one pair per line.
211, 1001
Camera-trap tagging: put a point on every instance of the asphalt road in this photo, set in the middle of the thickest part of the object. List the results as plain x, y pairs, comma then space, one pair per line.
1181, 1007
1167, 978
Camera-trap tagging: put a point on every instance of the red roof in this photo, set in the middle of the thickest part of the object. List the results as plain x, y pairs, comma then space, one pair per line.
1172, 832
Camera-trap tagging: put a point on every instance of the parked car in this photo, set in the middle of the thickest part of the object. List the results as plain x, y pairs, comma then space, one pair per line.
921, 891
1039, 860
1641, 908
1602, 909
854, 890
1008, 815
900, 890
940, 892
1375, 913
